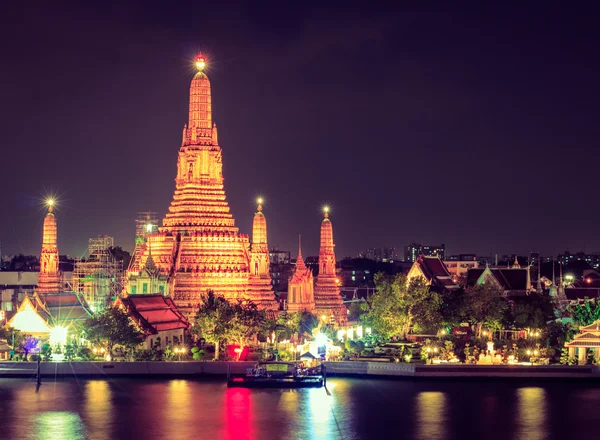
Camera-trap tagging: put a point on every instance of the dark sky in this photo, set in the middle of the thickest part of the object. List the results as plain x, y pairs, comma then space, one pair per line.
478, 128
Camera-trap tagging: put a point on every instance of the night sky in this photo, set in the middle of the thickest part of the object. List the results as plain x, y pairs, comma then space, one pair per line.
477, 128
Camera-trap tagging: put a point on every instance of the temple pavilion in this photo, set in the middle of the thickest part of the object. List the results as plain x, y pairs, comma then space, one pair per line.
588, 338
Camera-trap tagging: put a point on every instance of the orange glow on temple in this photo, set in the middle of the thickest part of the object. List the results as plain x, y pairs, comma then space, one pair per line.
49, 278
328, 300
199, 248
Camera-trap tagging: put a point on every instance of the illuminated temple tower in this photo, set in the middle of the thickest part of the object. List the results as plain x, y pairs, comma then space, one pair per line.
49, 280
301, 286
328, 301
198, 246
260, 288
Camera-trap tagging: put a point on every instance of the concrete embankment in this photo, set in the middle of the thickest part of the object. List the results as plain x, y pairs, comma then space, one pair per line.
334, 369
125, 369
362, 369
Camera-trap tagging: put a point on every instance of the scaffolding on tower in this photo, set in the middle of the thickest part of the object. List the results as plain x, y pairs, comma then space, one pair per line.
145, 223
99, 277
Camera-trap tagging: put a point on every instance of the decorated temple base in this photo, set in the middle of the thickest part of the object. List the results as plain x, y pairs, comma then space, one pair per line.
198, 247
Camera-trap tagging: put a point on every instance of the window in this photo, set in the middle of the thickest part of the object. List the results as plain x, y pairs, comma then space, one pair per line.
161, 289
134, 289
145, 288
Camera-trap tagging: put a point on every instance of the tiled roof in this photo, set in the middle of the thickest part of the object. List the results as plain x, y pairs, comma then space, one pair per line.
435, 270
154, 312
508, 278
473, 275
512, 279
64, 307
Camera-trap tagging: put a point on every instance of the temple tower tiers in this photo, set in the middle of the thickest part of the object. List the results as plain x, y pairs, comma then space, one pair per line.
49, 279
301, 294
198, 246
328, 300
260, 287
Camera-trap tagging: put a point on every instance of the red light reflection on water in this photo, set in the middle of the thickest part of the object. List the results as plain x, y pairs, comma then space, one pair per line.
238, 414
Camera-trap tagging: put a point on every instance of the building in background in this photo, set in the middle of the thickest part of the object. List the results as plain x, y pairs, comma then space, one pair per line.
593, 259
433, 270
279, 257
381, 255
513, 281
158, 317
459, 266
99, 277
414, 250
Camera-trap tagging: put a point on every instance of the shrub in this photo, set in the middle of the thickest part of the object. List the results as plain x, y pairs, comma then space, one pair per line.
46, 352
86, 354
197, 353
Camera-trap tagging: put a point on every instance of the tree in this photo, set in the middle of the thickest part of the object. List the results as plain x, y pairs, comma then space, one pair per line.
13, 337
484, 305
211, 319
113, 327
586, 313
245, 321
399, 304
533, 311
29, 343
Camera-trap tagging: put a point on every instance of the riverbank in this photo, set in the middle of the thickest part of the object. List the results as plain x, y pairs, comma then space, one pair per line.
196, 369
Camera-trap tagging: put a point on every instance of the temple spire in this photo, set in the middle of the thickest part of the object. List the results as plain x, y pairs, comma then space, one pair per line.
200, 111
259, 225
300, 260
516, 264
328, 300
49, 277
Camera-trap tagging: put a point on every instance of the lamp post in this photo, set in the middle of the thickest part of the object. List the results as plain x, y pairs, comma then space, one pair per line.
180, 351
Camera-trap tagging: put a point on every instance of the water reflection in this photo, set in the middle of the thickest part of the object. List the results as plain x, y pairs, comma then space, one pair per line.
180, 409
431, 415
57, 425
322, 424
531, 404
98, 410
238, 414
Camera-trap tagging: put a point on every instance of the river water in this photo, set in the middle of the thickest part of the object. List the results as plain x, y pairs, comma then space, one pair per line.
355, 409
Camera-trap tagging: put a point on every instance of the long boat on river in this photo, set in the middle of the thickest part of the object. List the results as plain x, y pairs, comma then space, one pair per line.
279, 375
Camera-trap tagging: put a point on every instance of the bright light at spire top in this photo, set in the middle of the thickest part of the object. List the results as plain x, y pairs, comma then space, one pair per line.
260, 200
50, 202
326, 209
200, 63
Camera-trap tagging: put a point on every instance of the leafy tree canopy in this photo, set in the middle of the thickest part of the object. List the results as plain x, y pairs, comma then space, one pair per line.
113, 327
399, 304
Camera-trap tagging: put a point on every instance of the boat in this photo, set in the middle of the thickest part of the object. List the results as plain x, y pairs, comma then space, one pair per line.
279, 375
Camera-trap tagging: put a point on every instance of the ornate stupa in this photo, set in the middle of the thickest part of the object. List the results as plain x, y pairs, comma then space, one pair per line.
198, 247
49, 280
260, 288
301, 286
328, 300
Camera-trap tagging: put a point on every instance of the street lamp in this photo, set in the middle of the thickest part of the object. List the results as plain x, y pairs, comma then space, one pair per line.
180, 351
